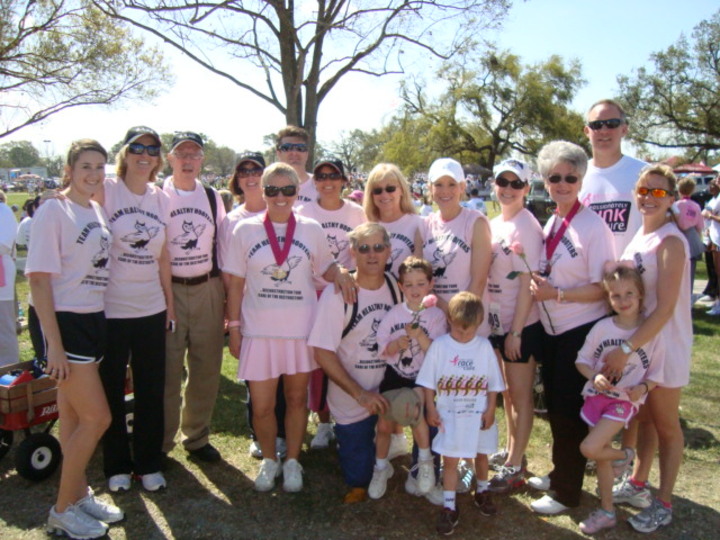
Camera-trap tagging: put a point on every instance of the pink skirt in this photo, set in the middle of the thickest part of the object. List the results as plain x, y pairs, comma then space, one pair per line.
268, 358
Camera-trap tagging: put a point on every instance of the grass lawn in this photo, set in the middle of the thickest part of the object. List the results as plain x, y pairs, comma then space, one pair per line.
217, 501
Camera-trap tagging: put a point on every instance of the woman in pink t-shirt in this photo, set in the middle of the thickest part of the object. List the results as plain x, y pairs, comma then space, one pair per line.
688, 216
660, 251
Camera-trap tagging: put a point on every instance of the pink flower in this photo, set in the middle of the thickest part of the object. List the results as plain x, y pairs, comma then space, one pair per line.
429, 301
517, 249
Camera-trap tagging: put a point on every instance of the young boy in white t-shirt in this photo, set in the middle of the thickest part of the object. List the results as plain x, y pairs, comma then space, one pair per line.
461, 370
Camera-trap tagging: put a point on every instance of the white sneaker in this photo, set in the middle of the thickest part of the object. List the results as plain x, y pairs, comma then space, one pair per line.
541, 483
715, 310
153, 481
547, 505
119, 482
434, 496
426, 476
465, 477
706, 299
378, 484
269, 471
398, 446
255, 450
75, 523
322, 437
95, 508
292, 476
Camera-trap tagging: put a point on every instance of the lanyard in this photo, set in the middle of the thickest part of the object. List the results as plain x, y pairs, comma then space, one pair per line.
280, 254
553, 239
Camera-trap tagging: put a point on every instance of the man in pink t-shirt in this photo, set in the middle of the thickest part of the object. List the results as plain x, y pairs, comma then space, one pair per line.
192, 232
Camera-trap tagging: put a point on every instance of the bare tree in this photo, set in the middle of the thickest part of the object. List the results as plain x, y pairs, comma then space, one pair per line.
58, 54
304, 48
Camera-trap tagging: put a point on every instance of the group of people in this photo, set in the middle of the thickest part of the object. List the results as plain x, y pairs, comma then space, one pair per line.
374, 316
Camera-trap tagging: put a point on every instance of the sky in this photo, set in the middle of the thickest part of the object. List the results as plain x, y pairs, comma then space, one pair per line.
609, 37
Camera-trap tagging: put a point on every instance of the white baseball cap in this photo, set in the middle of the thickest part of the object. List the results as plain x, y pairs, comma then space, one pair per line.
446, 167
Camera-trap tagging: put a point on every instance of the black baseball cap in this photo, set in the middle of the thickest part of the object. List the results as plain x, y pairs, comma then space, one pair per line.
335, 163
255, 157
182, 136
134, 133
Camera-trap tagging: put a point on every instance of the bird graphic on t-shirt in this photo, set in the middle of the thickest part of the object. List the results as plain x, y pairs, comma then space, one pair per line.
441, 261
141, 237
191, 233
394, 254
337, 246
370, 342
281, 273
100, 259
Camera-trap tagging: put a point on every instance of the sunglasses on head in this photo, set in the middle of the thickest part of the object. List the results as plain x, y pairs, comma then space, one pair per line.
245, 173
327, 176
137, 149
610, 123
655, 192
272, 191
289, 147
387, 189
504, 182
365, 248
556, 178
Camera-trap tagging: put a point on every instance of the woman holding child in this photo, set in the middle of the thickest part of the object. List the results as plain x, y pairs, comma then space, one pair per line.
578, 243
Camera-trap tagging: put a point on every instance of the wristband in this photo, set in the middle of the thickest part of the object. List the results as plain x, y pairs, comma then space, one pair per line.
233, 324
560, 296
515, 334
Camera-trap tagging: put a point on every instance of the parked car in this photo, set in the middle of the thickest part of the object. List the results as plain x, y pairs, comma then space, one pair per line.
539, 201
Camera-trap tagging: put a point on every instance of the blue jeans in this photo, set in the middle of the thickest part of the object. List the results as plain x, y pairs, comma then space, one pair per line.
356, 450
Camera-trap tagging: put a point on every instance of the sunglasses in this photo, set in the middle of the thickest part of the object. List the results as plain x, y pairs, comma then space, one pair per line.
386, 189
327, 176
504, 182
272, 191
655, 192
246, 173
290, 147
137, 149
556, 178
365, 248
610, 123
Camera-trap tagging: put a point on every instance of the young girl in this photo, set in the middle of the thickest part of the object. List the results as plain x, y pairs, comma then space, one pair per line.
68, 271
461, 369
610, 404
403, 337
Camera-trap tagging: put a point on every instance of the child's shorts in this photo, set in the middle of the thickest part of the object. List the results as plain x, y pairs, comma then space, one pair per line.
602, 406
392, 380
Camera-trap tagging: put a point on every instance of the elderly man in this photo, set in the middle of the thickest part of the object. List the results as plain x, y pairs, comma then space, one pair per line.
195, 216
344, 337
292, 148
610, 179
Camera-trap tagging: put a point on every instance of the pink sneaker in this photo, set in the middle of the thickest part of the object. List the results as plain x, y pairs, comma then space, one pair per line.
597, 521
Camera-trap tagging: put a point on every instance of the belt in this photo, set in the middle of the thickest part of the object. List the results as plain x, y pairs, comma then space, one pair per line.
197, 280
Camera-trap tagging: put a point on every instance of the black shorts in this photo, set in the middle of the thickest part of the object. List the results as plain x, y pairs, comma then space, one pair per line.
392, 380
530, 344
83, 336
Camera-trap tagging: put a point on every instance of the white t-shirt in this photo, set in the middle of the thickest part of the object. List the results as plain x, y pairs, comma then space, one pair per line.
609, 192
358, 351
337, 224
476, 203
461, 374
678, 331
644, 364
191, 229
278, 303
228, 225
138, 227
407, 362
402, 239
72, 243
307, 192
8, 234
23, 231
714, 226
502, 291
578, 260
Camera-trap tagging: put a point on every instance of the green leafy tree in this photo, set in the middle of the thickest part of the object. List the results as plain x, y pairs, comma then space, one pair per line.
59, 54
675, 103
18, 154
303, 49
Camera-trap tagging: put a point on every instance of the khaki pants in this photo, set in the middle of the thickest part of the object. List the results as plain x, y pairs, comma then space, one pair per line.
199, 310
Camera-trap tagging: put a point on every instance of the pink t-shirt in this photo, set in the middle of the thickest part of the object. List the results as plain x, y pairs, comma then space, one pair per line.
402, 240
578, 260
307, 192
72, 243
191, 229
644, 364
358, 350
228, 225
407, 363
503, 292
688, 214
337, 224
678, 331
138, 231
461, 374
278, 305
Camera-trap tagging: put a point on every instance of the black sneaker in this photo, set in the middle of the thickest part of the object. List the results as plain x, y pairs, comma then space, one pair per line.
207, 453
484, 502
447, 521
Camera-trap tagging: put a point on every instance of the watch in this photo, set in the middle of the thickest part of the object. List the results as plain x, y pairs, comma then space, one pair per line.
515, 334
627, 347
